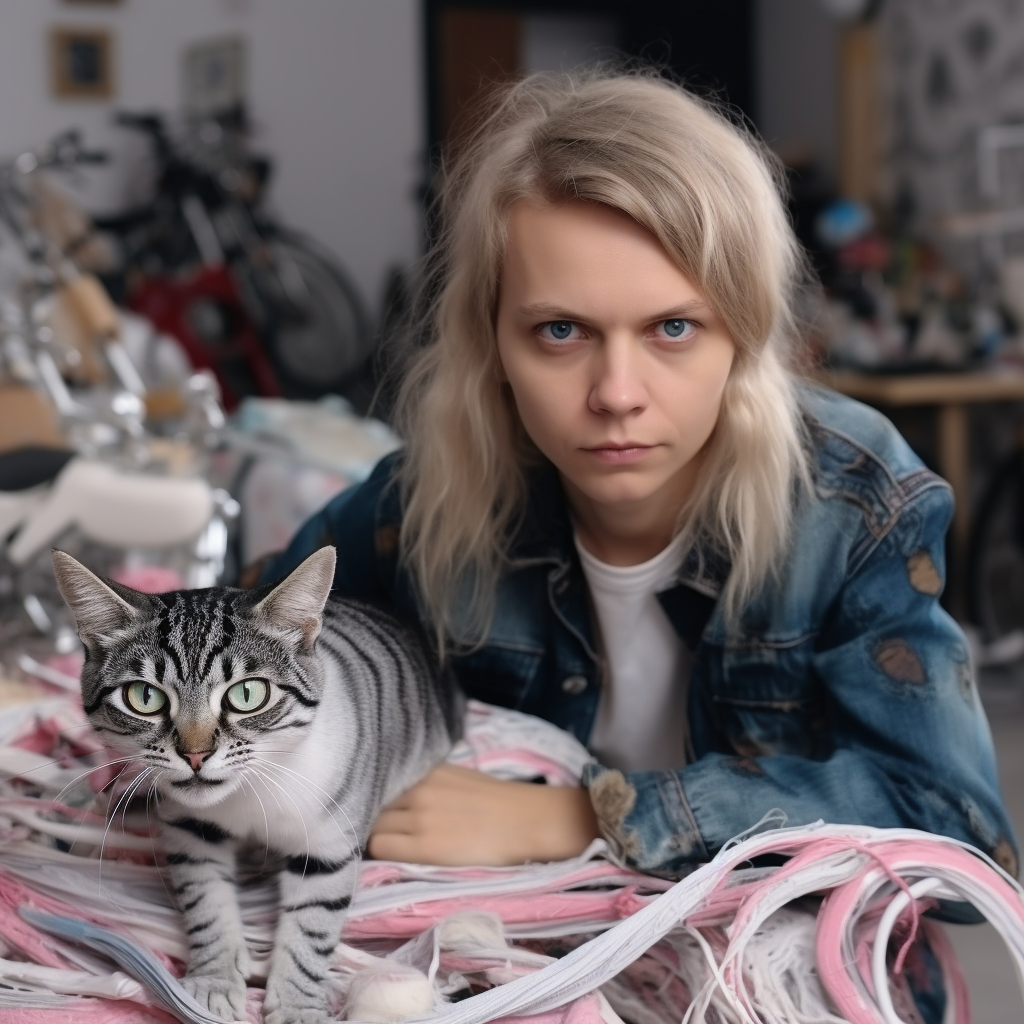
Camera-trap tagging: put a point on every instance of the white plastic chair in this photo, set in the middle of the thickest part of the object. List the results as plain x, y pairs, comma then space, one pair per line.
118, 508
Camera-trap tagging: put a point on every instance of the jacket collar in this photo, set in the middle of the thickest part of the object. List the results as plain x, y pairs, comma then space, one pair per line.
545, 534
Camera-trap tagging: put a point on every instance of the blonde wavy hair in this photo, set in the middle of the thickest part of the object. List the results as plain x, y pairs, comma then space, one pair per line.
710, 192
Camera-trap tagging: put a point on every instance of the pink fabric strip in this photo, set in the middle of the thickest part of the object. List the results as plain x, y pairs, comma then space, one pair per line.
867, 866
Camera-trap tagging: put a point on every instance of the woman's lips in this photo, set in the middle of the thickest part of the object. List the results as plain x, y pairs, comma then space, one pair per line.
618, 455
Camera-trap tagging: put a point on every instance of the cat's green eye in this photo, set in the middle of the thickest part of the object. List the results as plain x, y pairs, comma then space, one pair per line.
247, 696
145, 698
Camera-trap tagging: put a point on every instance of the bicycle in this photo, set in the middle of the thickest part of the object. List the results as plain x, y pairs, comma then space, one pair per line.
100, 471
269, 310
996, 560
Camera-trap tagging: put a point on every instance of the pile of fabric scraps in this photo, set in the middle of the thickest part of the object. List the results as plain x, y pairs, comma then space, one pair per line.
826, 933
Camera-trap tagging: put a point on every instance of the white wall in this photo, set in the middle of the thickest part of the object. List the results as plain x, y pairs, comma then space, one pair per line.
335, 88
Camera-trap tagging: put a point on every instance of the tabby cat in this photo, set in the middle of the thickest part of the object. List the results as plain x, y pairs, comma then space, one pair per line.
278, 719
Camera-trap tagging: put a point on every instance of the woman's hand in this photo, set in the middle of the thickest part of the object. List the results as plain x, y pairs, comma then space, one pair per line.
457, 816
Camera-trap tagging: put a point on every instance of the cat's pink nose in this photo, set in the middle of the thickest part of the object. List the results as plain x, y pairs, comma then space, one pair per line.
196, 758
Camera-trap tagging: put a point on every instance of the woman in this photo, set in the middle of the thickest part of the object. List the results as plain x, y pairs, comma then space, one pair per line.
619, 508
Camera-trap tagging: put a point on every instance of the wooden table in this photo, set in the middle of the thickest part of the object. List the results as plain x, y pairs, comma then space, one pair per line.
950, 394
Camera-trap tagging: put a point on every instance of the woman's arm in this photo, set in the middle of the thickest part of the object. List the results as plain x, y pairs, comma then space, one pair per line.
906, 743
457, 816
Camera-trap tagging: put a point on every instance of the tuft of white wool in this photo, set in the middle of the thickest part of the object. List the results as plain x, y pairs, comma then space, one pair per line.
390, 994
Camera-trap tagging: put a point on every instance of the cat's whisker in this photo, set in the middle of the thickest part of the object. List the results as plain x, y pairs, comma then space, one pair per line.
331, 806
346, 829
353, 841
311, 786
266, 821
154, 796
124, 808
124, 798
294, 753
248, 768
59, 797
126, 761
269, 778
122, 802
331, 802
57, 760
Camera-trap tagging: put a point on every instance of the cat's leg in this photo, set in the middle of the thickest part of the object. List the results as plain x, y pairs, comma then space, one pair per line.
314, 897
201, 860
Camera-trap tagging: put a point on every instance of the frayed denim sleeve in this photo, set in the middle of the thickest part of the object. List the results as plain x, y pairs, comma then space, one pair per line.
902, 739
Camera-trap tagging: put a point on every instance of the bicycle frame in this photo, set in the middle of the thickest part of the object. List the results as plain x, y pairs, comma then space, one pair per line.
167, 301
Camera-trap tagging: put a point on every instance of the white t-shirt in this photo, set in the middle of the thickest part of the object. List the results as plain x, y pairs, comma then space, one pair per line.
641, 718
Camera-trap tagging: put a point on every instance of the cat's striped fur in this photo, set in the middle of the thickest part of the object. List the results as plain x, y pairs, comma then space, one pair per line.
356, 712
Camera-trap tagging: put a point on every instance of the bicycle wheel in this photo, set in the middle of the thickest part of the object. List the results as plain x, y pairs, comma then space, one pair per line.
323, 337
996, 590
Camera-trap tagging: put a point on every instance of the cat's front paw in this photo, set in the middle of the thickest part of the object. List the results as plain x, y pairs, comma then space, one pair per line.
223, 995
294, 1015
288, 1002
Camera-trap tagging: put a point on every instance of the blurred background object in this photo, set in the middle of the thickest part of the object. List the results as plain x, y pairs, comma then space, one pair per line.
251, 186
469, 45
212, 214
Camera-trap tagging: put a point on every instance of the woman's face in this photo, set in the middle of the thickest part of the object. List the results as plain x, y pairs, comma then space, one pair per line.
616, 361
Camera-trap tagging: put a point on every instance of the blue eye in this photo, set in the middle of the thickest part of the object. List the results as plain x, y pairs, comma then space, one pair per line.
559, 330
676, 327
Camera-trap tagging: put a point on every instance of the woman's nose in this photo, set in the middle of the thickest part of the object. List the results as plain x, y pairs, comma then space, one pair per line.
618, 384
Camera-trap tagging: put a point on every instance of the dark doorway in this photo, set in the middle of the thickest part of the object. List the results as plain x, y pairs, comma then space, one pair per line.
474, 42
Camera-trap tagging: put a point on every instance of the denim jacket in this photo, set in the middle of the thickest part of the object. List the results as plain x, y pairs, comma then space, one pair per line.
844, 693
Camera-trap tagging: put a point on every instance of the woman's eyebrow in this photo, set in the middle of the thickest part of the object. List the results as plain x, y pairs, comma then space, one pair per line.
690, 308
552, 312
694, 307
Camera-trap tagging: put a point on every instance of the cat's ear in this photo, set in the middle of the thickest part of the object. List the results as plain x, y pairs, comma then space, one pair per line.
98, 609
296, 605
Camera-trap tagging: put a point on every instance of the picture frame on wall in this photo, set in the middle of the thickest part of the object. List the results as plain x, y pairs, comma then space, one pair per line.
214, 76
81, 63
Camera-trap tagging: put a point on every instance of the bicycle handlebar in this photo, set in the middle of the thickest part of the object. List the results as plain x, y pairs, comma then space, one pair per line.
152, 124
62, 151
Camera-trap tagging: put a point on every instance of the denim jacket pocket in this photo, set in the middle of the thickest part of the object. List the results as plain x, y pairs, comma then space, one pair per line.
498, 674
767, 701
